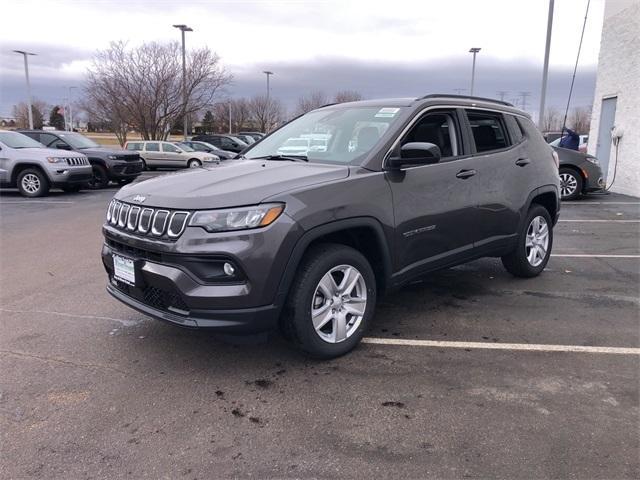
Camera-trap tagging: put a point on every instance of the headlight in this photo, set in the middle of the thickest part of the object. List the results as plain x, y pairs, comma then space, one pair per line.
241, 218
592, 159
56, 160
208, 159
112, 157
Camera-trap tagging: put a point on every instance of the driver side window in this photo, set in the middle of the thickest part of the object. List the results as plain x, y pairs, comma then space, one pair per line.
439, 128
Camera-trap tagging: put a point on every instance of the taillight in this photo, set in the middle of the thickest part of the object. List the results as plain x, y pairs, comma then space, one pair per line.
556, 159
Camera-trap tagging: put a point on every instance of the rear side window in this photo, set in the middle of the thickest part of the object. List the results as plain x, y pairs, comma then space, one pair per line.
514, 129
152, 147
134, 146
489, 130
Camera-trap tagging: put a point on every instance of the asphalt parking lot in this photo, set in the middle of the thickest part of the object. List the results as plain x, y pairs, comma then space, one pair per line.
468, 373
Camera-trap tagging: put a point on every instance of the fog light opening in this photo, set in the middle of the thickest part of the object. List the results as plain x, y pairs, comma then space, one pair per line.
229, 269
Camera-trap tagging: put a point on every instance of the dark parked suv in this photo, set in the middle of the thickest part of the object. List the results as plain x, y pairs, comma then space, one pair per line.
107, 164
307, 243
223, 142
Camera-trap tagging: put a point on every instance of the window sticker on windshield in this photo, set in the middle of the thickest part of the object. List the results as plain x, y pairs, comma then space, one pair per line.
387, 112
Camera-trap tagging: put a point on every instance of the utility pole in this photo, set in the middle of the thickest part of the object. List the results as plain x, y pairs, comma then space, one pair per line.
473, 50
502, 94
183, 29
545, 68
268, 74
26, 74
229, 116
524, 96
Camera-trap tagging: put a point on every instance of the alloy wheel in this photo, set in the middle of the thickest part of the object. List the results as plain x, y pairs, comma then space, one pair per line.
537, 241
568, 184
30, 183
339, 303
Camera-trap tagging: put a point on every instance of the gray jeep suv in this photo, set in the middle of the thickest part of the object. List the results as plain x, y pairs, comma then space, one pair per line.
307, 243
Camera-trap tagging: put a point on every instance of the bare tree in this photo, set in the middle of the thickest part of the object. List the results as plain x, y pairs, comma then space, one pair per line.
240, 114
107, 111
344, 96
551, 121
580, 119
266, 113
312, 101
20, 112
146, 82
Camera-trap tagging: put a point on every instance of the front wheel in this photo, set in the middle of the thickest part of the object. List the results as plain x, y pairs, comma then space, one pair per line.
194, 163
570, 184
532, 253
99, 178
331, 302
33, 183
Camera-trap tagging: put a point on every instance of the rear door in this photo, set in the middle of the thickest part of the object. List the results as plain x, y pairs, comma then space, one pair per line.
153, 155
503, 165
434, 205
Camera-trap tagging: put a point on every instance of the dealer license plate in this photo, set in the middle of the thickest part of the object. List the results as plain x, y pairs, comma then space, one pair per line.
124, 270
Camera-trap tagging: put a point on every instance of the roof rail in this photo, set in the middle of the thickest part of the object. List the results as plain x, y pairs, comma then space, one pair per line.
450, 95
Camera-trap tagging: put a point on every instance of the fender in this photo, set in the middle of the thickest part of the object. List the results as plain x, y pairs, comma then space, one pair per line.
317, 232
18, 166
98, 161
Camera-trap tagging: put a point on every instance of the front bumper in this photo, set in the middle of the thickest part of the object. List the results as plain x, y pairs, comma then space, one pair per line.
593, 177
121, 170
70, 175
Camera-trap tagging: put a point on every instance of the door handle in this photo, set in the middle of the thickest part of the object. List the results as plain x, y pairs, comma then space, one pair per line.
465, 174
523, 162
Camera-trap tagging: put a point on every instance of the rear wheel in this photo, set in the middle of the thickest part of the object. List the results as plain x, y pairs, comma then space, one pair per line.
99, 177
570, 184
532, 253
331, 302
33, 183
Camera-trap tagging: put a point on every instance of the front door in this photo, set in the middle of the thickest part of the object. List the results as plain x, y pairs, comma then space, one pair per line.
607, 122
434, 204
173, 156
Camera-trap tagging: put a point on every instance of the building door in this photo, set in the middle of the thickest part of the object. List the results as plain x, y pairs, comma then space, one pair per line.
607, 122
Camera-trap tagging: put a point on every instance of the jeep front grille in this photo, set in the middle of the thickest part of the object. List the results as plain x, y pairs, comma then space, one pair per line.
150, 222
76, 161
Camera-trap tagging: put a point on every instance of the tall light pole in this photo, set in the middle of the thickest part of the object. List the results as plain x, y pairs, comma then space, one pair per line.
70, 110
268, 74
545, 68
183, 29
473, 50
26, 74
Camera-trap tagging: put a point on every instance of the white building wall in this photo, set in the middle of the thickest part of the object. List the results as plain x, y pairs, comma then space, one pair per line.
619, 75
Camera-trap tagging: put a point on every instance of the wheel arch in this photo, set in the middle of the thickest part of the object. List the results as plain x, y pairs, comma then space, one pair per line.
578, 170
365, 234
18, 168
546, 196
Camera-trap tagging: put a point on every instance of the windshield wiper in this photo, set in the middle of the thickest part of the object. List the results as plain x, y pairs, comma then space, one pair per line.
290, 158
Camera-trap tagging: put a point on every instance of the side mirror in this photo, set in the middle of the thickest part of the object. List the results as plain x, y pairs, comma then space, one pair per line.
63, 146
416, 153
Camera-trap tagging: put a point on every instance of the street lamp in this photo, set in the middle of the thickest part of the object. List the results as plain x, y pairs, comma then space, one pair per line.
545, 68
268, 74
183, 29
26, 74
473, 50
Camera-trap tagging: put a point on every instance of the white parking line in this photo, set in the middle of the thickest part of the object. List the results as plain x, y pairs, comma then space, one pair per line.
600, 203
502, 346
578, 220
594, 255
125, 322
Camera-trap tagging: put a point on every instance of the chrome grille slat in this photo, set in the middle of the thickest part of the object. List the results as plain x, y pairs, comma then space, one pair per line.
156, 222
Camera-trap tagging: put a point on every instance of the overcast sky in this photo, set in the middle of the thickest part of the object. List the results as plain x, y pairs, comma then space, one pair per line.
380, 48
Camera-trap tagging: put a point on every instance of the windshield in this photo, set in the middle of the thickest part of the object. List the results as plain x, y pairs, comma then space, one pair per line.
18, 140
335, 135
185, 147
77, 141
239, 140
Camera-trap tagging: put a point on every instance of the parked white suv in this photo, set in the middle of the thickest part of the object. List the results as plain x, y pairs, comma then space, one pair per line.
167, 154
34, 169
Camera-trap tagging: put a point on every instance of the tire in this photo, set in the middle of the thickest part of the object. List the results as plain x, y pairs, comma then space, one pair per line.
339, 328
570, 184
100, 178
71, 188
33, 183
194, 163
527, 259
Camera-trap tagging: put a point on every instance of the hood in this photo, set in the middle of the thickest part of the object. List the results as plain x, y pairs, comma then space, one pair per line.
43, 153
104, 151
229, 184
